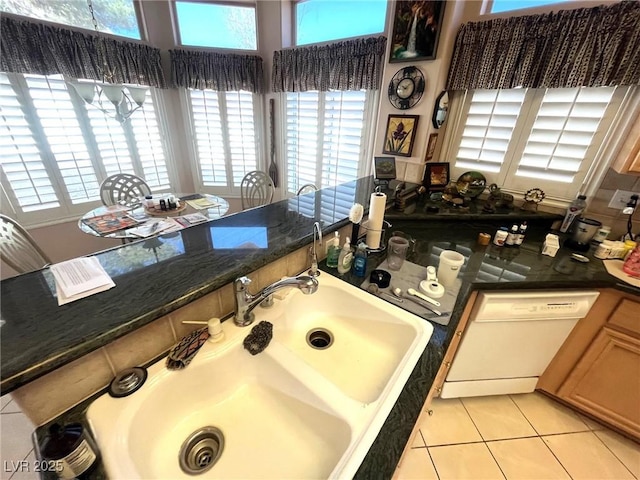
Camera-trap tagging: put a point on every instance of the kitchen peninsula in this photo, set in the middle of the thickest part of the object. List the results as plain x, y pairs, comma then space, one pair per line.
39, 337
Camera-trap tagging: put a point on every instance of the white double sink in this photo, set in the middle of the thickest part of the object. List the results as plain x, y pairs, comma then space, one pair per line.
291, 411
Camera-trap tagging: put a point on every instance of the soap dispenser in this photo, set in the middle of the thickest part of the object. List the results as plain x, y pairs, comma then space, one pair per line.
333, 250
345, 258
360, 261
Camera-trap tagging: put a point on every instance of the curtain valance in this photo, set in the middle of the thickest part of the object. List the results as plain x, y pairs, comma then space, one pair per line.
42, 49
348, 65
589, 47
217, 71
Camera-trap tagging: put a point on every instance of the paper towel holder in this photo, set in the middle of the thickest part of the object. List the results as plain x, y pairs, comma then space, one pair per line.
364, 228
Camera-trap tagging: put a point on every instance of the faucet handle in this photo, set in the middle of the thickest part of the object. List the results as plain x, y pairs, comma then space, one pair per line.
241, 284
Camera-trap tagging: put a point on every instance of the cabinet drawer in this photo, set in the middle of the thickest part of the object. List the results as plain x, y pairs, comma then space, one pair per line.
626, 316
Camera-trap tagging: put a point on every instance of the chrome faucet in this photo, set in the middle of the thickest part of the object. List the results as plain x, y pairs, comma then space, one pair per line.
317, 235
246, 302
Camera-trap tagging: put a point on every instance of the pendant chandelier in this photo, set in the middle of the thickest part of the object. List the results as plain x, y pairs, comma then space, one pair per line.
115, 100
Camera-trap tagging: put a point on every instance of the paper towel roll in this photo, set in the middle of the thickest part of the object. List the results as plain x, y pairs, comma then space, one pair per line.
377, 205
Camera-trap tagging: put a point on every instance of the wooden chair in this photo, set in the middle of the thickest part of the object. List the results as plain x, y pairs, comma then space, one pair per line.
18, 249
307, 188
256, 189
123, 189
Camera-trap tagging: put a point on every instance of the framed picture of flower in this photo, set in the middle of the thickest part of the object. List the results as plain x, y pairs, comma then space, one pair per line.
416, 30
400, 134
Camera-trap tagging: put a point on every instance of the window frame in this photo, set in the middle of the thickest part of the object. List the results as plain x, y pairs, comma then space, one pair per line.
605, 142
67, 210
365, 168
227, 191
177, 37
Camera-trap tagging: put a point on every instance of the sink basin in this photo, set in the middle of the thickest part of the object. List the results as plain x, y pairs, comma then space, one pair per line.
368, 339
300, 409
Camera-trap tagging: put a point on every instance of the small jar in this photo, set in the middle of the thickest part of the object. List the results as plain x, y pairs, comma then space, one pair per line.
500, 236
631, 265
603, 250
602, 234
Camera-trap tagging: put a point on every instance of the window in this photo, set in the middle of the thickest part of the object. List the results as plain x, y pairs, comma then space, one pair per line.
224, 138
217, 26
524, 138
56, 149
113, 16
499, 6
324, 20
327, 137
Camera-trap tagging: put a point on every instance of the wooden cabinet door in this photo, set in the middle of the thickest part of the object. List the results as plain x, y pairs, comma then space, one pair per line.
606, 381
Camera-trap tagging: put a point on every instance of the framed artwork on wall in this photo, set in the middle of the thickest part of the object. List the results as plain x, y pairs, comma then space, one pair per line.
431, 146
436, 176
416, 30
400, 134
385, 168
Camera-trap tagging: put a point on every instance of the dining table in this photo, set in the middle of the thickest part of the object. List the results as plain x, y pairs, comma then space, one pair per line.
133, 222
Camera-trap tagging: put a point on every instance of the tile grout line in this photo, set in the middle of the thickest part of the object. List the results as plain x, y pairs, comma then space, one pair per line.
555, 456
613, 453
524, 415
471, 418
435, 469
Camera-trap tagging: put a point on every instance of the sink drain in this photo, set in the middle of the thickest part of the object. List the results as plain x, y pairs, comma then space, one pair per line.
319, 338
201, 450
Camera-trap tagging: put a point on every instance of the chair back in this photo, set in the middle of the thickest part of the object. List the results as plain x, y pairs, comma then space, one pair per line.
307, 188
123, 189
256, 189
18, 249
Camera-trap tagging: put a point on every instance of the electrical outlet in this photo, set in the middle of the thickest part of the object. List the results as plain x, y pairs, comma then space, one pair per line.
620, 199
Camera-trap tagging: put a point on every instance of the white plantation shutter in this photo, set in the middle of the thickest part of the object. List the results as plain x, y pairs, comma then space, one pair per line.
148, 146
111, 142
492, 117
22, 163
326, 139
302, 131
547, 138
56, 149
54, 109
225, 141
563, 133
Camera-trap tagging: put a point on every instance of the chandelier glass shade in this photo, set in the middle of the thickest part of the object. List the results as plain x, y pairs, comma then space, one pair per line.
126, 99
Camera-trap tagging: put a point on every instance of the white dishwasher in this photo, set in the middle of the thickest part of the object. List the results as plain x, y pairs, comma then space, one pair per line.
511, 338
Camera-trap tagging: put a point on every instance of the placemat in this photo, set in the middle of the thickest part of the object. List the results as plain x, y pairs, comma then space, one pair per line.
409, 276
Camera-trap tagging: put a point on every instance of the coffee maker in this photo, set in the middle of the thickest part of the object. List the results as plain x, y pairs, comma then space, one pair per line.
583, 231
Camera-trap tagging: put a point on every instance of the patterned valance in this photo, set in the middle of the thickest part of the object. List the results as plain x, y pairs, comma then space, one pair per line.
348, 65
217, 71
589, 47
42, 49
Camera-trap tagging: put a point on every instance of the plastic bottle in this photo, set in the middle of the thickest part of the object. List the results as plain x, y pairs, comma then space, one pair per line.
512, 235
345, 258
333, 250
521, 233
574, 211
360, 261
500, 236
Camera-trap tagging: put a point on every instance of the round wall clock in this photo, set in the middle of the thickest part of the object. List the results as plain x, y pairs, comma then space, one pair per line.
406, 87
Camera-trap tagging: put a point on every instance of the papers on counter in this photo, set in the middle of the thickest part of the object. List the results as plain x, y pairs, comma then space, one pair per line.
80, 278
154, 227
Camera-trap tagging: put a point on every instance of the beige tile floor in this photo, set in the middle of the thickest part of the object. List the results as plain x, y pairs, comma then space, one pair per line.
526, 436
16, 448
